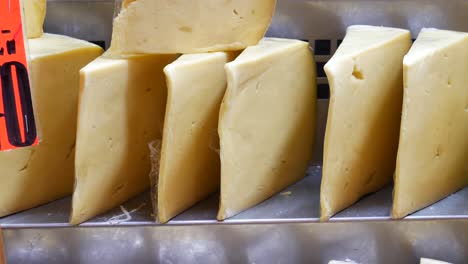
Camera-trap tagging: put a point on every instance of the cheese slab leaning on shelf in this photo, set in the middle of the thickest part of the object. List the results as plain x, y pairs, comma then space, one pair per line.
433, 146
39, 174
121, 110
34, 13
189, 165
366, 93
186, 26
266, 123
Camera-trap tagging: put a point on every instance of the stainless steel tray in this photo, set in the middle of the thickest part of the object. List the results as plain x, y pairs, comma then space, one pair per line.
283, 229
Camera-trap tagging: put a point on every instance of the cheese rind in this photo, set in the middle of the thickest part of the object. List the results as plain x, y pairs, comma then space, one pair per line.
36, 175
266, 124
190, 166
361, 139
186, 26
34, 13
121, 111
433, 143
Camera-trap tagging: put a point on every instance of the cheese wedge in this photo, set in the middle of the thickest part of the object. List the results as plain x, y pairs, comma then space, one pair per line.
189, 165
266, 123
34, 14
121, 111
433, 139
187, 26
432, 261
366, 91
36, 175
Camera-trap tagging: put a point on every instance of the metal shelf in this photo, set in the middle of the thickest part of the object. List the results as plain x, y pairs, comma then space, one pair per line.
297, 204
283, 229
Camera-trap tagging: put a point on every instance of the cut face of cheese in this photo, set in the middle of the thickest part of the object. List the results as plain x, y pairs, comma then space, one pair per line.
34, 13
121, 111
35, 175
189, 166
433, 146
266, 123
186, 26
366, 91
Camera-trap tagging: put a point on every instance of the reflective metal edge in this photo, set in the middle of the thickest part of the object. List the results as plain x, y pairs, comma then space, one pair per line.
362, 242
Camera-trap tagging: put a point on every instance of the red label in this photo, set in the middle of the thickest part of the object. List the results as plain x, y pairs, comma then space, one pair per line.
17, 123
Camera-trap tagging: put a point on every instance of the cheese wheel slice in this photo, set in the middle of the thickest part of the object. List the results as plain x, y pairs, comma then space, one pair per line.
34, 15
433, 139
266, 123
36, 175
366, 91
189, 165
187, 26
121, 111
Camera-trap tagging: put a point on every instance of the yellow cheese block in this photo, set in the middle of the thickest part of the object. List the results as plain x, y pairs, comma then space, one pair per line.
366, 91
189, 165
433, 139
266, 123
187, 26
35, 175
34, 15
121, 111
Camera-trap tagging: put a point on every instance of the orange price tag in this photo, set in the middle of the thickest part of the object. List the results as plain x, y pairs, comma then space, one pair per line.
2, 251
17, 123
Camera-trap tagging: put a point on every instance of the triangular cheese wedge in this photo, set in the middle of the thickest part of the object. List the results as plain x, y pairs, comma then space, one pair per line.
36, 175
433, 139
267, 122
121, 111
187, 26
366, 91
190, 166
34, 15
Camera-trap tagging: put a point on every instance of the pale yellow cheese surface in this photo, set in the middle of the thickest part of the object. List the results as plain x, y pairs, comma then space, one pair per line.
190, 166
433, 138
34, 13
35, 175
266, 123
121, 111
366, 91
186, 26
